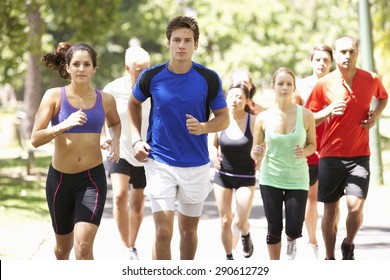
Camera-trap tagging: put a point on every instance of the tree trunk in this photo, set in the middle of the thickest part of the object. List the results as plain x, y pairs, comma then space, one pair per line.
33, 87
367, 56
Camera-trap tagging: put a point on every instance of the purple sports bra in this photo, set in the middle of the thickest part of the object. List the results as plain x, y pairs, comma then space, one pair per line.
95, 115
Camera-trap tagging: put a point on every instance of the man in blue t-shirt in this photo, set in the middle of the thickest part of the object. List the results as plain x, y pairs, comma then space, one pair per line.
175, 152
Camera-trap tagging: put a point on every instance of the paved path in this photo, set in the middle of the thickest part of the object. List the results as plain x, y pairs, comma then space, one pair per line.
372, 242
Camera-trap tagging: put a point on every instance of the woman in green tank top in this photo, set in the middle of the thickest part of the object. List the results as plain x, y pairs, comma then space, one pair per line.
283, 136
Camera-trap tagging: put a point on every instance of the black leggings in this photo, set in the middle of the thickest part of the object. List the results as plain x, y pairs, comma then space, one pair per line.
295, 204
76, 197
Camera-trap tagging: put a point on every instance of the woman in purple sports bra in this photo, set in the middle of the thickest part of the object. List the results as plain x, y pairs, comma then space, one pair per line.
76, 185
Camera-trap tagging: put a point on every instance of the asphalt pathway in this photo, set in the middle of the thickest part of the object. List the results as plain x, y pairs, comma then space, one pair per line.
371, 243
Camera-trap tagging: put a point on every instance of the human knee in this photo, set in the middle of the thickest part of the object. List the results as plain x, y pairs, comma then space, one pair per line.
137, 199
63, 246
331, 210
137, 208
355, 213
83, 250
294, 233
274, 238
120, 198
187, 231
226, 222
163, 233
62, 252
355, 205
312, 198
188, 234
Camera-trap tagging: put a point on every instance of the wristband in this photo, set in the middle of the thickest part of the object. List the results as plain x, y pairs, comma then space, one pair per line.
52, 130
139, 140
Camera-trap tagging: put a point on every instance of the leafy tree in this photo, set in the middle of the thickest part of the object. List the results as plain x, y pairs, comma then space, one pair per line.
12, 41
264, 35
32, 84
68, 21
381, 33
145, 23
258, 35
47, 23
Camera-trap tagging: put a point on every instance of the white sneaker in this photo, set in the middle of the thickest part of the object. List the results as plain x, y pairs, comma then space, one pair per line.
291, 249
133, 254
314, 247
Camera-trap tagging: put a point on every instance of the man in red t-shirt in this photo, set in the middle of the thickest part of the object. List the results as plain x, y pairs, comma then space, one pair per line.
342, 101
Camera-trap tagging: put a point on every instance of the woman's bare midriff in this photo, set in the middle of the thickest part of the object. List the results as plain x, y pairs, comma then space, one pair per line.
77, 152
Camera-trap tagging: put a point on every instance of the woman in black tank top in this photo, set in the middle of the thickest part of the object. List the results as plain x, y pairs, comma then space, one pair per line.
235, 172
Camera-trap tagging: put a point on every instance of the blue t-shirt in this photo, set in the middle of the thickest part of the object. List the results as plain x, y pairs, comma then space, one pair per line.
172, 97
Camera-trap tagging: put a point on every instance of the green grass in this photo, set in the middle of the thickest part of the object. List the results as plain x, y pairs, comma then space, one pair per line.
24, 215
22, 198
40, 162
24, 195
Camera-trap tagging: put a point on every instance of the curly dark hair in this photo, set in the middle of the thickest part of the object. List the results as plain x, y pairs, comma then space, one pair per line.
62, 55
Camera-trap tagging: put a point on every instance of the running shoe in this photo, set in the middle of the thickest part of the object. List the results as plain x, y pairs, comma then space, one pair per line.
133, 254
291, 249
229, 257
247, 245
314, 247
347, 250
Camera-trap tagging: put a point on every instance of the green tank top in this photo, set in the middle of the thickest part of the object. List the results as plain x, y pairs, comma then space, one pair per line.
279, 168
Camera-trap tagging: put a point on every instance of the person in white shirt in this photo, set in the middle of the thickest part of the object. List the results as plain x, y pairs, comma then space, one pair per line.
321, 59
128, 170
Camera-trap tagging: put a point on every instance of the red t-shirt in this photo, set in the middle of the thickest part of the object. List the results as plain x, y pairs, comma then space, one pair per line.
314, 159
343, 136
305, 87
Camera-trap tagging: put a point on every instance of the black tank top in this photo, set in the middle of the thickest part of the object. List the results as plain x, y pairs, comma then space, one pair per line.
236, 158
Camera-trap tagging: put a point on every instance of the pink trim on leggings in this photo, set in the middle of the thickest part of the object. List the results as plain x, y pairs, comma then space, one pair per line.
54, 202
97, 193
